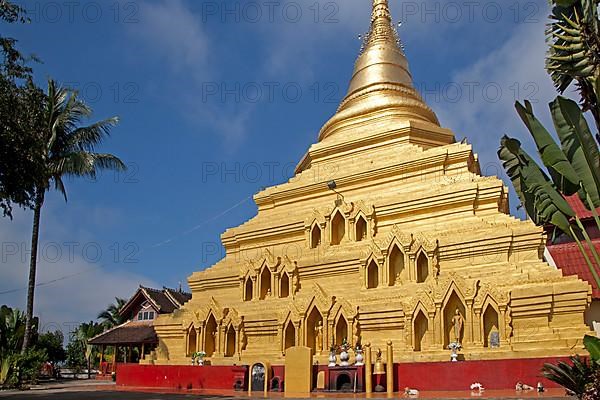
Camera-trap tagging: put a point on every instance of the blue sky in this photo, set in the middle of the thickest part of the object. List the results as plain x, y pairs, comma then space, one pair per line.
220, 98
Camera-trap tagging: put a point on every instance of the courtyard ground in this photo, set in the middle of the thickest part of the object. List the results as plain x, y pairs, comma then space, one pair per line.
95, 390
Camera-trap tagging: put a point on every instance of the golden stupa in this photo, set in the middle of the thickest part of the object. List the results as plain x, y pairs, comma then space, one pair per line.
387, 231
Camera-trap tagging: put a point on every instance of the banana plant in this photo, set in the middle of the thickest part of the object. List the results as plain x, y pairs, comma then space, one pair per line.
580, 149
575, 166
574, 50
544, 204
592, 345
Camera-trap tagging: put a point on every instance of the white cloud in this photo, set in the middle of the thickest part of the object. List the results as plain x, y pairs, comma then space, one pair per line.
512, 72
84, 287
173, 34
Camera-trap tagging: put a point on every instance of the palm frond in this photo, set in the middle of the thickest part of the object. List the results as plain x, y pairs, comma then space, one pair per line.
88, 137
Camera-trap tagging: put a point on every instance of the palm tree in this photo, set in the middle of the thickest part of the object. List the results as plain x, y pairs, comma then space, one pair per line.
111, 317
69, 151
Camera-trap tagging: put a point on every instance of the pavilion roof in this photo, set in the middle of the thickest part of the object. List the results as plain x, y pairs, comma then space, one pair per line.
164, 300
580, 209
129, 333
569, 259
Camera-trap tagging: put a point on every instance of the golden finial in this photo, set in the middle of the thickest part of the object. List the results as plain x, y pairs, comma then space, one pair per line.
381, 82
381, 22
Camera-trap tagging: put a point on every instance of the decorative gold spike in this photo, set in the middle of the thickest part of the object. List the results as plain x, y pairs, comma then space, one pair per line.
381, 82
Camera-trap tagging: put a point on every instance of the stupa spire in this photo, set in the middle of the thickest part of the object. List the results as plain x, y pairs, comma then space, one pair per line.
381, 21
381, 81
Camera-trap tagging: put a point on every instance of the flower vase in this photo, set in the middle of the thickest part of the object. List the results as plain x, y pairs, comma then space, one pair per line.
344, 358
200, 362
454, 356
193, 362
359, 358
332, 359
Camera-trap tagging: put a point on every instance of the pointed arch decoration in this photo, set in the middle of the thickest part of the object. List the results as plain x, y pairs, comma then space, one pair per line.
257, 270
316, 221
191, 337
366, 213
230, 341
338, 231
361, 228
422, 266
211, 335
418, 251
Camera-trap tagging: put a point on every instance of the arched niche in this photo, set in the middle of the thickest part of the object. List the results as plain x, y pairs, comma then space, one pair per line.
210, 340
338, 228
420, 328
265, 283
230, 337
315, 236
396, 266
341, 330
314, 336
289, 336
191, 341
361, 228
284, 289
372, 275
453, 303
489, 323
422, 264
248, 289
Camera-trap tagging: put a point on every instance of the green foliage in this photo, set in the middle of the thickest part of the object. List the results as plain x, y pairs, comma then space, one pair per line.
111, 316
592, 345
21, 117
76, 355
27, 366
574, 165
573, 377
543, 202
21, 162
574, 49
14, 366
14, 64
579, 147
52, 344
574, 168
78, 350
560, 169
582, 379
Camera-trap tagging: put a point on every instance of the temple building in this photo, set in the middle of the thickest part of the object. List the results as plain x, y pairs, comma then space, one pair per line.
387, 231
137, 332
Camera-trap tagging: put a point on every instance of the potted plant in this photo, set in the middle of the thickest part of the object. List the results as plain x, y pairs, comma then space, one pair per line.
455, 347
344, 356
199, 357
359, 355
332, 356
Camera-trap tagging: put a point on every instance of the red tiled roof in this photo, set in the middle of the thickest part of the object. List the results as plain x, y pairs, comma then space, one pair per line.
570, 260
577, 206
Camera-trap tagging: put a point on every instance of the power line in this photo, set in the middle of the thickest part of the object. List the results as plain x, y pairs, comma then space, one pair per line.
157, 245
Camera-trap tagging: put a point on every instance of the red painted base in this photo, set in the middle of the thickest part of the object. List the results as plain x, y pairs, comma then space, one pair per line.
434, 376
492, 374
181, 377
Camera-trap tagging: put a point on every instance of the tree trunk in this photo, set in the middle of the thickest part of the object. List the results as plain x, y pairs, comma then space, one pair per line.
39, 202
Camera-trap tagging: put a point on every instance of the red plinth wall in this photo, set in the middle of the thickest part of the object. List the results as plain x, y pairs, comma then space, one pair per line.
180, 377
492, 374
